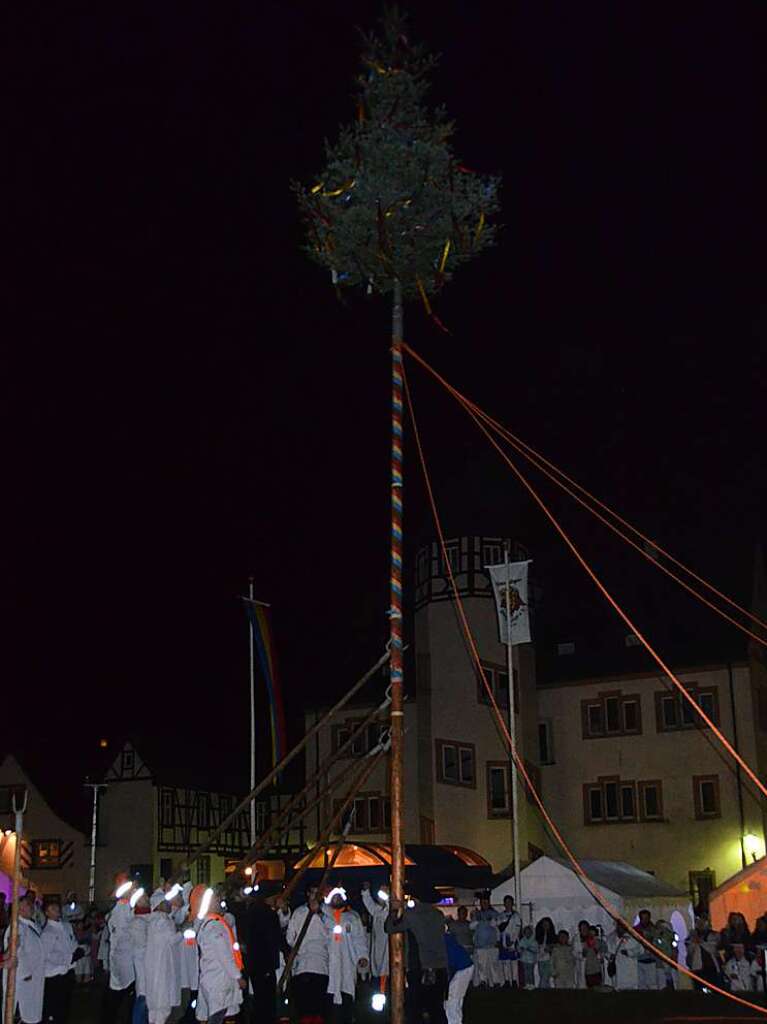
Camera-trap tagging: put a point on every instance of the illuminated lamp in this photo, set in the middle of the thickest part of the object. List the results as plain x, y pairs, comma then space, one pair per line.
752, 845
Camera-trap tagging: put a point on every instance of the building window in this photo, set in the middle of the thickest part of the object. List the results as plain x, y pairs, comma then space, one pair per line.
497, 677
166, 808
128, 762
372, 813
455, 763
491, 554
651, 800
706, 797
611, 714
498, 789
203, 870
568, 647
702, 884
262, 815
545, 743
451, 557
46, 853
366, 741
612, 800
674, 712
203, 810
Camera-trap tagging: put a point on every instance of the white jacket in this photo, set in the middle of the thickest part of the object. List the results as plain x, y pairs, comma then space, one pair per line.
379, 940
188, 958
161, 964
30, 972
219, 975
121, 971
139, 927
59, 943
626, 950
312, 956
345, 949
741, 975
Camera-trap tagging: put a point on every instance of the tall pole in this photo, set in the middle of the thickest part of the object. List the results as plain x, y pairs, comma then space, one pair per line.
95, 786
252, 664
13, 938
396, 947
513, 732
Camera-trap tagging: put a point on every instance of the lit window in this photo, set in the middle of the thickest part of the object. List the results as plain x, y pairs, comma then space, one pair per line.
46, 853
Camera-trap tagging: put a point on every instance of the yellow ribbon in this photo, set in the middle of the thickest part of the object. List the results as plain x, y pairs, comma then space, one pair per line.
445, 253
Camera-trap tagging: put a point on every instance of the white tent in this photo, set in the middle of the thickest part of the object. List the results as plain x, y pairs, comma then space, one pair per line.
551, 888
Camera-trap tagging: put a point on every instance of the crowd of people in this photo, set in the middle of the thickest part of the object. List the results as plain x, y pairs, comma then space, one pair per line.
182, 954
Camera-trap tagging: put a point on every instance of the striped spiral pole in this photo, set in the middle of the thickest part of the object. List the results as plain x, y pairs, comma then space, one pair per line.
396, 946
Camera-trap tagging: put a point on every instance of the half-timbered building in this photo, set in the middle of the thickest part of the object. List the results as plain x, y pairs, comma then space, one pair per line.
151, 818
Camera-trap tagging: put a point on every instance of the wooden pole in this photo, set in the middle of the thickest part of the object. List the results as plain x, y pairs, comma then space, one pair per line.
274, 772
13, 939
279, 825
355, 787
396, 945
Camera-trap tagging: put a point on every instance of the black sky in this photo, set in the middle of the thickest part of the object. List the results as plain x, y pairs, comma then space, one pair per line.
185, 402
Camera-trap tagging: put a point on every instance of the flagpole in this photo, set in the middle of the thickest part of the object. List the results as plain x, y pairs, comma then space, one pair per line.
513, 732
251, 640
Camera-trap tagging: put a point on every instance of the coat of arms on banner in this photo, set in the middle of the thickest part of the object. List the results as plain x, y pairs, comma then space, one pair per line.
511, 601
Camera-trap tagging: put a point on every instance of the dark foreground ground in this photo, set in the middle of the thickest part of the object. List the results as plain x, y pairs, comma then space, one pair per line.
505, 1007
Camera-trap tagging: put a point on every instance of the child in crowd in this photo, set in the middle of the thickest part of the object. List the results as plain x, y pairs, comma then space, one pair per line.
528, 956
563, 962
740, 972
593, 954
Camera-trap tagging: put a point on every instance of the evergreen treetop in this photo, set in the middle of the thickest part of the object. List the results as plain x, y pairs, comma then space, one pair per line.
393, 202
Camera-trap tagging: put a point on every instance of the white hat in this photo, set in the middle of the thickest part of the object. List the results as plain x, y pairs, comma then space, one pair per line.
157, 897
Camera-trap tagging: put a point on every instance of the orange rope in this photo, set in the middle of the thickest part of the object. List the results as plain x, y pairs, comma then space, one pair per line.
549, 469
611, 600
579, 870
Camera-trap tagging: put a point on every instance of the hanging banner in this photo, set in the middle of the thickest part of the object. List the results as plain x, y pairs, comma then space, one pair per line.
518, 615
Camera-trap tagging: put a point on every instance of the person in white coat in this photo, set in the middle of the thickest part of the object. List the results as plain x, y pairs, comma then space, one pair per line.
221, 979
139, 927
740, 972
60, 946
309, 974
347, 953
624, 951
379, 940
161, 964
188, 961
30, 966
122, 973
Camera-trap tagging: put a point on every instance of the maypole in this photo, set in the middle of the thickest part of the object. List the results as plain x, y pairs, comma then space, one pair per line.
395, 213
396, 672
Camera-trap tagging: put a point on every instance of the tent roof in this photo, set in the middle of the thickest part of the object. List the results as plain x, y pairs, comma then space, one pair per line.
626, 880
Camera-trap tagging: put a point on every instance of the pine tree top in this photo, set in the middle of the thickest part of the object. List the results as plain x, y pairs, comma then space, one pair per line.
393, 201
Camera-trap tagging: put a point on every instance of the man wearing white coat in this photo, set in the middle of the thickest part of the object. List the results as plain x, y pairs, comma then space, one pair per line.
60, 945
139, 927
122, 973
624, 952
161, 965
221, 981
379, 940
347, 953
30, 966
309, 976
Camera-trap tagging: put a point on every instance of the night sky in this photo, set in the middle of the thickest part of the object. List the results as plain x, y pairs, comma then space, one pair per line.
185, 402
